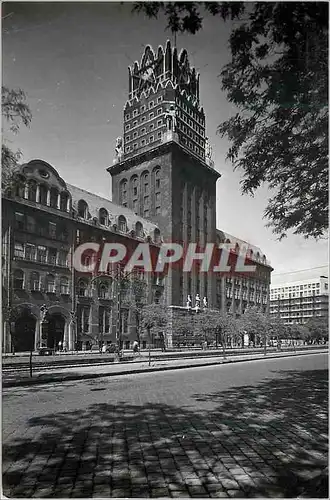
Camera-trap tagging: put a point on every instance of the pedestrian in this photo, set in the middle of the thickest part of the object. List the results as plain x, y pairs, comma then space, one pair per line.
104, 348
60, 346
135, 346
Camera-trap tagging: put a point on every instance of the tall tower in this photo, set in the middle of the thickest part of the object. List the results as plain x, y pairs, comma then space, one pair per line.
163, 170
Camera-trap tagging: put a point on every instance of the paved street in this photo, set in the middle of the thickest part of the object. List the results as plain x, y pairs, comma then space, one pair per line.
251, 429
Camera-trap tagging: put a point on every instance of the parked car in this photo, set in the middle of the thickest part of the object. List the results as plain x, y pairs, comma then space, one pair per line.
45, 351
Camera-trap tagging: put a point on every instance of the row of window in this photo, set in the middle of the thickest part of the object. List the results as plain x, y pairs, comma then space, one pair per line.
182, 116
193, 147
189, 133
143, 108
143, 119
40, 226
143, 131
148, 140
33, 282
295, 287
41, 254
41, 193
195, 115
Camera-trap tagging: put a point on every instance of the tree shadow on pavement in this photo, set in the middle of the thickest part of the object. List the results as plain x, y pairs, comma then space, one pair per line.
268, 440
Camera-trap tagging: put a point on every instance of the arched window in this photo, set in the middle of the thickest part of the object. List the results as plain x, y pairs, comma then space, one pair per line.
123, 191
122, 224
43, 194
64, 286
237, 248
157, 179
104, 289
18, 279
103, 217
82, 209
53, 197
82, 288
50, 283
32, 191
64, 201
157, 235
145, 183
139, 229
134, 186
34, 281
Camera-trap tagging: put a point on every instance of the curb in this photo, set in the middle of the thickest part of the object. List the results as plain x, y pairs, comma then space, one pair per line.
67, 378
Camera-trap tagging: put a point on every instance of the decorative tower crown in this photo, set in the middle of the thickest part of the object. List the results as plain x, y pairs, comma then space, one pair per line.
161, 69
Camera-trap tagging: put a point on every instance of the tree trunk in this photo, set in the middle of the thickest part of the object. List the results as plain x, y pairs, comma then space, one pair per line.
149, 337
30, 364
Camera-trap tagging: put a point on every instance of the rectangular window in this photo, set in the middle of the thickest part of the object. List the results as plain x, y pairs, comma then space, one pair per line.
52, 229
146, 200
62, 258
151, 126
143, 131
30, 224
127, 127
30, 251
151, 115
41, 253
127, 138
151, 104
19, 250
146, 214
151, 138
135, 112
127, 117
143, 108
135, 146
157, 210
135, 206
159, 123
52, 255
159, 134
143, 119
157, 198
143, 142
135, 123
160, 98
128, 148
19, 221
159, 111
134, 135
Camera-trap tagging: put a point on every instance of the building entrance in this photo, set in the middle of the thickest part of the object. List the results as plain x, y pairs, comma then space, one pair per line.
24, 332
56, 324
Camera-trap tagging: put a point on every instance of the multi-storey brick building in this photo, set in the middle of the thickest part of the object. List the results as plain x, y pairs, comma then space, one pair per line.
165, 172
44, 219
299, 300
163, 189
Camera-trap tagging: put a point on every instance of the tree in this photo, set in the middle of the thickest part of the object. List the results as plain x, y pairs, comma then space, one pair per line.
318, 329
226, 328
139, 289
154, 319
15, 112
278, 80
256, 324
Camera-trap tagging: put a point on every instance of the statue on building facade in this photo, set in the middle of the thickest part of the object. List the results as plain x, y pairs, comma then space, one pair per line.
43, 313
170, 116
205, 302
197, 301
72, 317
189, 302
208, 149
119, 149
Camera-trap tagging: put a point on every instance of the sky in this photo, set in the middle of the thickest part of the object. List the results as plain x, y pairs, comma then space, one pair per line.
71, 59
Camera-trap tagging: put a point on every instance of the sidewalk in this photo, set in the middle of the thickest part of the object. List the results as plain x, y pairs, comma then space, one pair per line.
40, 376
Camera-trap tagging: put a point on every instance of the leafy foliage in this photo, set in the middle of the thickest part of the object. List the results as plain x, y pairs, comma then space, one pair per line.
278, 80
15, 112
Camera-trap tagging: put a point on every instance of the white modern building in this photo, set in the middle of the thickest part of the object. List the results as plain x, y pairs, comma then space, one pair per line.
296, 298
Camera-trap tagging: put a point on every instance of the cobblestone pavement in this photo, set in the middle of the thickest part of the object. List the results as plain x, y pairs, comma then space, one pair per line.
256, 429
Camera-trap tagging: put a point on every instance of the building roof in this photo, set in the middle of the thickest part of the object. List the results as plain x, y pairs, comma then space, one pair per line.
257, 254
95, 203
